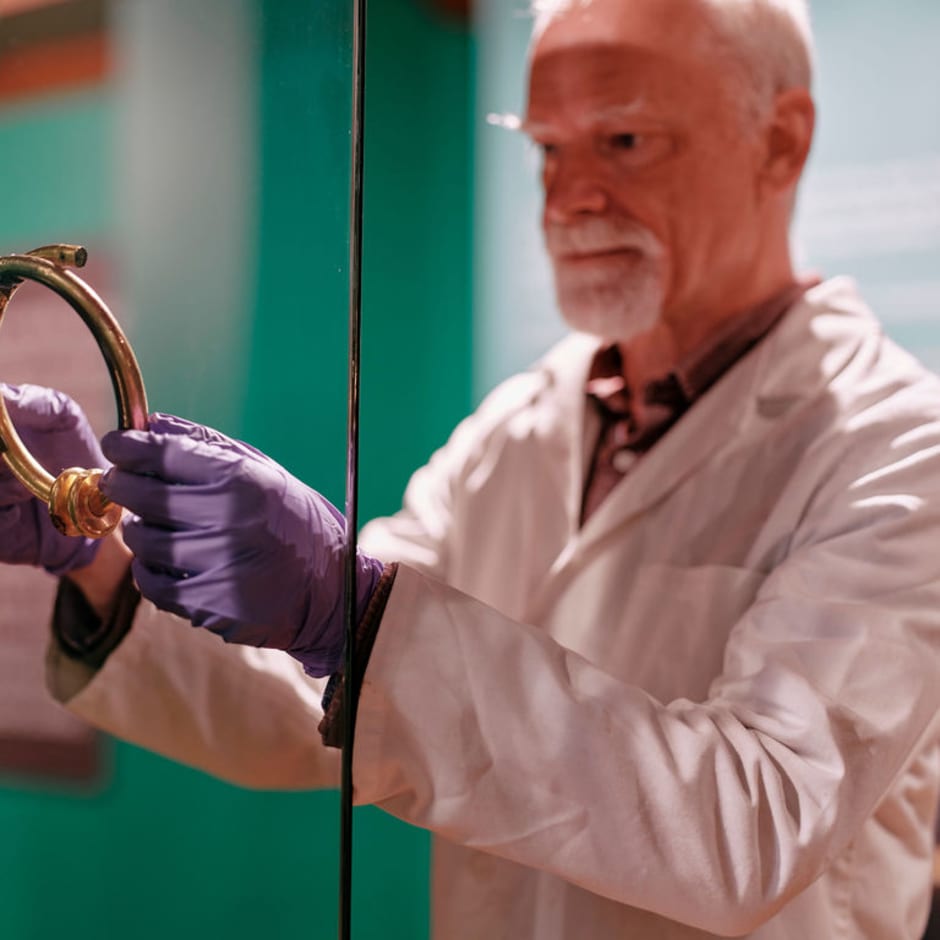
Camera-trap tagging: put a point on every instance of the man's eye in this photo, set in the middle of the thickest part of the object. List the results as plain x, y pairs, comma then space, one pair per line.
624, 141
639, 150
547, 149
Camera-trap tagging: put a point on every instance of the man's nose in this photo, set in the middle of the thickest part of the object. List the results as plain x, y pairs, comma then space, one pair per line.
572, 192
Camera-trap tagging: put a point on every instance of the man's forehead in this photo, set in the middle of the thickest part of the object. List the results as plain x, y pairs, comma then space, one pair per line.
654, 24
605, 81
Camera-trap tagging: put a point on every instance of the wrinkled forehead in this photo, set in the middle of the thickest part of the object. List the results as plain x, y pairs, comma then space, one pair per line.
586, 81
659, 25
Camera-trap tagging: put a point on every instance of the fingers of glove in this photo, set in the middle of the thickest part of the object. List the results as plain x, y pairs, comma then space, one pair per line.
189, 553
19, 541
331, 510
9, 519
53, 427
34, 406
170, 424
27, 537
205, 601
210, 506
161, 588
18, 544
12, 492
173, 457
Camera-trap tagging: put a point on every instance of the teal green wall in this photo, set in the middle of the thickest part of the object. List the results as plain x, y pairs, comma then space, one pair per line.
162, 850
416, 310
56, 169
418, 246
416, 295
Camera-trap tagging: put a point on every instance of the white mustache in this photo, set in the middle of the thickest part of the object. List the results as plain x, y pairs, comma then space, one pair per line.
596, 236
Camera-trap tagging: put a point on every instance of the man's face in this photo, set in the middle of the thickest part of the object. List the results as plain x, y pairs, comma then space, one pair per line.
650, 178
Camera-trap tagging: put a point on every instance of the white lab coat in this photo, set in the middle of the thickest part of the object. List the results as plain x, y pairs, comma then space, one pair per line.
711, 711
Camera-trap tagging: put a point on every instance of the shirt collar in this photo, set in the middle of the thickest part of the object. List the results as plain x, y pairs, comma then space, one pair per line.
665, 399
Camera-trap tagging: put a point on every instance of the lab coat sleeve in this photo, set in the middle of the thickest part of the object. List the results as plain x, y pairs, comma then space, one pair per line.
246, 715
251, 716
713, 813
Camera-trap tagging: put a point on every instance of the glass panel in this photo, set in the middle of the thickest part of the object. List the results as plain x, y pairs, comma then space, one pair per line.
200, 152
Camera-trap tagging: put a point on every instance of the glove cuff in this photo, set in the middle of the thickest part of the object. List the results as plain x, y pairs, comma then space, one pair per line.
332, 725
328, 654
83, 554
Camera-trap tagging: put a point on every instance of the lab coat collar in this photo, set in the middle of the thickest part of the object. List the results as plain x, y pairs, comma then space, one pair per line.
812, 342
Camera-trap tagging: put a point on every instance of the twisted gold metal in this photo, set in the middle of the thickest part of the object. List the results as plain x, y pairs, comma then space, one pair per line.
76, 505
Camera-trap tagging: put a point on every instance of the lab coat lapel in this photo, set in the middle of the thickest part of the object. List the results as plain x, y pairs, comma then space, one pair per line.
792, 363
802, 353
567, 367
714, 422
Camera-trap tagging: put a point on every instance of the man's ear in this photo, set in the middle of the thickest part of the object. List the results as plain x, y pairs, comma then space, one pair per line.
788, 139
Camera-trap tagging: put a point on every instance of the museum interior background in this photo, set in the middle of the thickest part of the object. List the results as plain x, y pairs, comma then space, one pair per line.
199, 148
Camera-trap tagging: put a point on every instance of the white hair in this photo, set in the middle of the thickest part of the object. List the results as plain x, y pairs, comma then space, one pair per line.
770, 40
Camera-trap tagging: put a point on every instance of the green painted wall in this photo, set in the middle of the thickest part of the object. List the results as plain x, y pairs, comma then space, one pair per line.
416, 296
163, 850
56, 169
416, 307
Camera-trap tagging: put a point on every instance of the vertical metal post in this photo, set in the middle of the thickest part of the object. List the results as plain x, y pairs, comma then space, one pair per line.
352, 458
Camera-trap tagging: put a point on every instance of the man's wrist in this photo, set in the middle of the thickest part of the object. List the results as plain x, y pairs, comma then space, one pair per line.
100, 582
95, 605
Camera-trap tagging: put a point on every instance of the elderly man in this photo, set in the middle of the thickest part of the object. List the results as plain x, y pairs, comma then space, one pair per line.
654, 650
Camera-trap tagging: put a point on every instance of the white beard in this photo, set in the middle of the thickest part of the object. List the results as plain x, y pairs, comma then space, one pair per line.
613, 305
613, 296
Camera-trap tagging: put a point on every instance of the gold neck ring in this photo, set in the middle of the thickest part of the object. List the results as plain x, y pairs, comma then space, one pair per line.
76, 505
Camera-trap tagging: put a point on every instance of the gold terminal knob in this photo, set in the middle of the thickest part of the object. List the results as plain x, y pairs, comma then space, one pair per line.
76, 505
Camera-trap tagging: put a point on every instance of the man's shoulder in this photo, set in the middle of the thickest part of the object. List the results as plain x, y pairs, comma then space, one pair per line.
858, 396
833, 344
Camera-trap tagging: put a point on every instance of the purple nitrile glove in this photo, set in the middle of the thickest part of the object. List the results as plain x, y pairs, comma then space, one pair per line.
226, 538
57, 433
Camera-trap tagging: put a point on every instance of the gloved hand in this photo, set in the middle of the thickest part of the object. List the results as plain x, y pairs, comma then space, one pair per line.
228, 539
57, 433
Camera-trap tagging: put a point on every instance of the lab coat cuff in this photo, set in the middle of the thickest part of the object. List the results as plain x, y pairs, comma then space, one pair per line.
332, 726
84, 636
